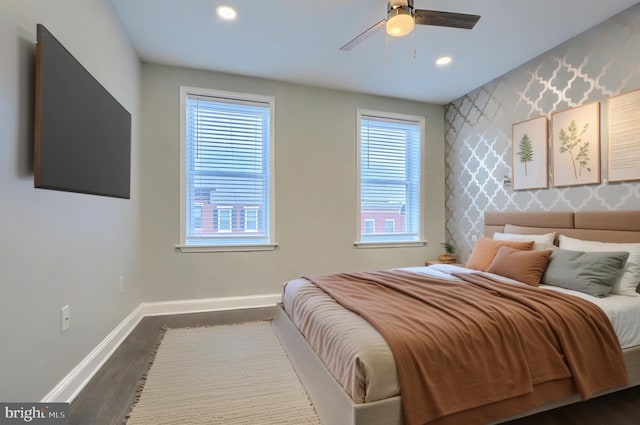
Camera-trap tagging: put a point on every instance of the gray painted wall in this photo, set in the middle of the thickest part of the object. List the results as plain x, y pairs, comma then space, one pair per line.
601, 62
59, 248
315, 189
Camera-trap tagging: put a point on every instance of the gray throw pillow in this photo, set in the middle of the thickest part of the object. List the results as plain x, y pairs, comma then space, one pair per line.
593, 273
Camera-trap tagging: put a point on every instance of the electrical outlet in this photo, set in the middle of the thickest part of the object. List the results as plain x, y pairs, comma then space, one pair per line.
121, 284
65, 318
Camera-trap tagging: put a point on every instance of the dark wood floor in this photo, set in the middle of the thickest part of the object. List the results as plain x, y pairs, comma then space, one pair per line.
108, 397
621, 408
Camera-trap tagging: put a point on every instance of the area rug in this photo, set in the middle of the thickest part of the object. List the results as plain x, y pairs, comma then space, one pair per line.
232, 374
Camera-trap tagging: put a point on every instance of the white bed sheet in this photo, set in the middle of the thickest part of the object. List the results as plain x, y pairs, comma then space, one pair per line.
623, 311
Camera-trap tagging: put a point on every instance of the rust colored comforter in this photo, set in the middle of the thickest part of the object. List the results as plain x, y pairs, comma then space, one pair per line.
476, 350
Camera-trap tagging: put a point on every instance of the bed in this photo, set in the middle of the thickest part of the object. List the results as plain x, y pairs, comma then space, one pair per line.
362, 393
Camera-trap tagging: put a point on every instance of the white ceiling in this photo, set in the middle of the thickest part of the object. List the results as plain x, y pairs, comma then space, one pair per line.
299, 41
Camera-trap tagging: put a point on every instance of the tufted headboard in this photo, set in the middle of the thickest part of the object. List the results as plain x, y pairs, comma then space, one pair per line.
604, 226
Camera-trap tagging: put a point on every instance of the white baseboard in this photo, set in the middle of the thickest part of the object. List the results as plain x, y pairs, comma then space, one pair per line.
71, 385
209, 304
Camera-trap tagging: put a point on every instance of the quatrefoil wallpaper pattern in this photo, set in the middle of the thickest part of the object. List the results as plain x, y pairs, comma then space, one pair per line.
597, 64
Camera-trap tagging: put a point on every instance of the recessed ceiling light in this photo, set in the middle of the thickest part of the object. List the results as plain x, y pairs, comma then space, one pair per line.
226, 12
443, 60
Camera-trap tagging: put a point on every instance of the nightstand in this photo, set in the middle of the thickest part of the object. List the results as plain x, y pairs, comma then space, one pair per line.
432, 262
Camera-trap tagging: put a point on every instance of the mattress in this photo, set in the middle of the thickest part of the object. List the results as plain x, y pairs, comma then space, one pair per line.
359, 358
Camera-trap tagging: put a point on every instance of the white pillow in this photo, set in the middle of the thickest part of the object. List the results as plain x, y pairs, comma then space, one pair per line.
630, 276
540, 242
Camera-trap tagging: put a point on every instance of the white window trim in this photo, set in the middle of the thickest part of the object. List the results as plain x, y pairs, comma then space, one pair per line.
400, 244
182, 246
226, 248
389, 244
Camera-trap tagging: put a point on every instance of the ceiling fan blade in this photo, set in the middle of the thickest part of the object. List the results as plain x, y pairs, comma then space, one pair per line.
445, 19
364, 35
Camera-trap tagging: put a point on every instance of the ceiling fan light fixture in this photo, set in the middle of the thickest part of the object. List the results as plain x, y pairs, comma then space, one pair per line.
444, 60
400, 21
227, 13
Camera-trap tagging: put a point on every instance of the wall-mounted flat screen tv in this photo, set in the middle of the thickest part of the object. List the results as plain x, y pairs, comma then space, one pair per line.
82, 134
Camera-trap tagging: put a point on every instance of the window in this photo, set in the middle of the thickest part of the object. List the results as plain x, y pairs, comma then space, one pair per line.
251, 220
389, 178
226, 166
225, 219
389, 225
196, 217
369, 225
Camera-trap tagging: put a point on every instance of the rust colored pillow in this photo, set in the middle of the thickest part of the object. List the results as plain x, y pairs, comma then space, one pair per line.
524, 266
486, 249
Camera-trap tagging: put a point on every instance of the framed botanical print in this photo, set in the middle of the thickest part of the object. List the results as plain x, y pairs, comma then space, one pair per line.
575, 149
530, 153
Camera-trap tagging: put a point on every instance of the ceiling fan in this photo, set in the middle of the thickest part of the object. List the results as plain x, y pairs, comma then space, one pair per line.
401, 17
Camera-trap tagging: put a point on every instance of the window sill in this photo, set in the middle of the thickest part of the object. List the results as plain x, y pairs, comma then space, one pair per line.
405, 244
226, 248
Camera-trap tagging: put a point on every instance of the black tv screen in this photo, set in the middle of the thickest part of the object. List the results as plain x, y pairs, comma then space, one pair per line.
82, 134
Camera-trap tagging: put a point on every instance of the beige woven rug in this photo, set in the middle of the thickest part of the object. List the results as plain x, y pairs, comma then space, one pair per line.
237, 375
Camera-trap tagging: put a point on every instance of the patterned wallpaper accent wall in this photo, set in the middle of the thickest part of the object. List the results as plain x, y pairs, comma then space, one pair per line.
601, 62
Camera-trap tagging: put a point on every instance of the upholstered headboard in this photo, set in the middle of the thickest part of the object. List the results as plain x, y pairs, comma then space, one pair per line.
604, 226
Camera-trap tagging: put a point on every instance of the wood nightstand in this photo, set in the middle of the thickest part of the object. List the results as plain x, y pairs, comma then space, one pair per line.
432, 262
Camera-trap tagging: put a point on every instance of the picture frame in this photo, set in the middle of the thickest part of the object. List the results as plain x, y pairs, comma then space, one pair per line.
623, 153
575, 145
529, 153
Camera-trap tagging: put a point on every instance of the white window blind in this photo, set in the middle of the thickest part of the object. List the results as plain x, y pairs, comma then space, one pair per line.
226, 169
390, 152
